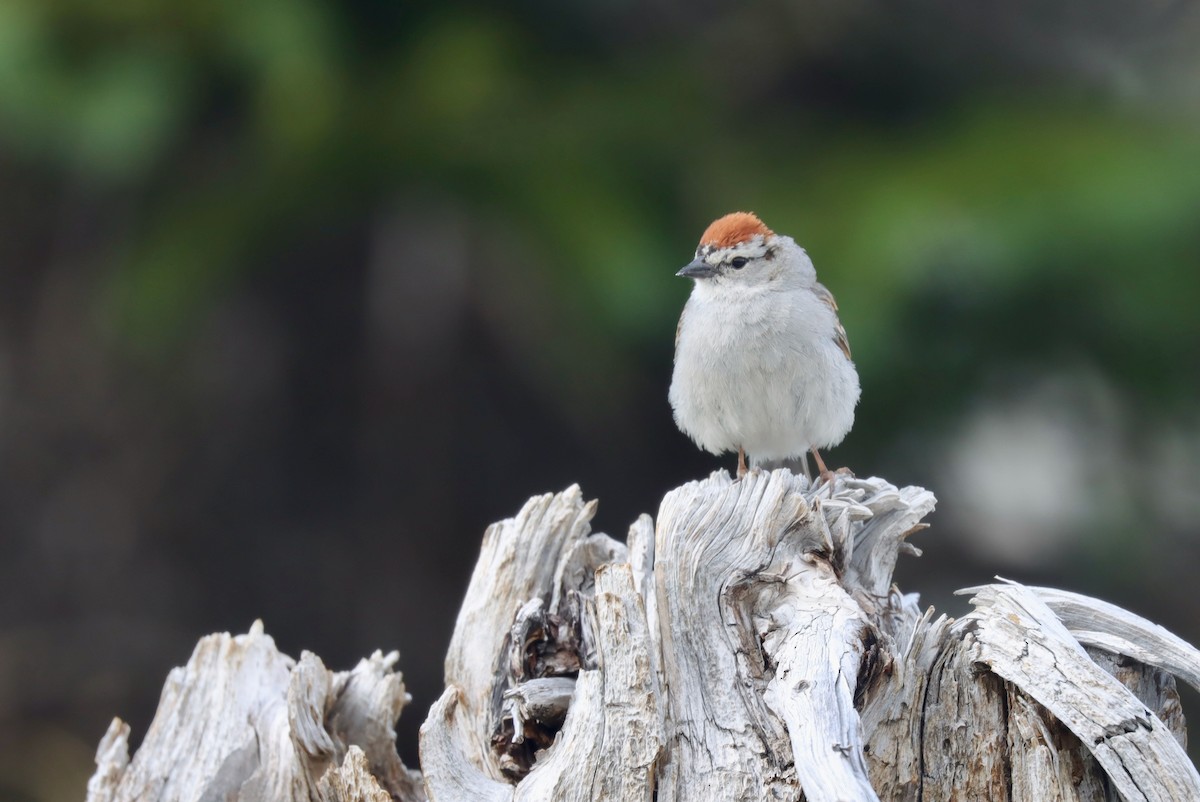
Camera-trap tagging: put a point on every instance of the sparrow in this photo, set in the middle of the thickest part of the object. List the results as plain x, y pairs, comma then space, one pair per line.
762, 363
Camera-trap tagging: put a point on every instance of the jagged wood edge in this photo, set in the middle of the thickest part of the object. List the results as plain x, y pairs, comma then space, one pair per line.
1019, 638
242, 721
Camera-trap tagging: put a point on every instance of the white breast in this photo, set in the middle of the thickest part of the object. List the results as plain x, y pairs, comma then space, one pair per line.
761, 370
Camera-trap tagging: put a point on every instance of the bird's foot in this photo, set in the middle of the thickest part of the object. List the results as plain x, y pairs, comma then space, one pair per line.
831, 477
741, 468
826, 475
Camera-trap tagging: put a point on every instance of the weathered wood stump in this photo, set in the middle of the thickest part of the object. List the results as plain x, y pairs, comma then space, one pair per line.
750, 645
241, 721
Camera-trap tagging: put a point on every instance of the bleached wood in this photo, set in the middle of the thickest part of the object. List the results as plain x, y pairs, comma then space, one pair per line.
785, 662
748, 644
736, 564
753, 641
352, 781
1153, 688
617, 723
892, 712
518, 562
1041, 766
112, 758
894, 514
1097, 623
446, 760
242, 721
962, 753
544, 700
814, 634
523, 565
1019, 638
366, 703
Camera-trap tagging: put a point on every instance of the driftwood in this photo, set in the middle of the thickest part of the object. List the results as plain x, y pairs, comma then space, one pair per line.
241, 721
748, 645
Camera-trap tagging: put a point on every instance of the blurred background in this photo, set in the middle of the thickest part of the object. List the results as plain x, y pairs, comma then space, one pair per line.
296, 297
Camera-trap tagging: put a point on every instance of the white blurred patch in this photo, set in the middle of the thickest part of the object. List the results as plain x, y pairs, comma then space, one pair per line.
1030, 473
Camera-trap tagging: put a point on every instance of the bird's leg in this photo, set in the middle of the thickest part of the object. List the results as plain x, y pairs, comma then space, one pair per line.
823, 473
808, 474
741, 469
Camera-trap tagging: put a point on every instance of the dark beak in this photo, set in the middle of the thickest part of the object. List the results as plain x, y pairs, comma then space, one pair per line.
698, 269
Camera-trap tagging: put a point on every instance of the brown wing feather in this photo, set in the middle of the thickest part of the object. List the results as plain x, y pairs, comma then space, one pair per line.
839, 334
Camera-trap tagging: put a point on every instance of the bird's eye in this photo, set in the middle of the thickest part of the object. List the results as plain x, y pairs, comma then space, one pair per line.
738, 262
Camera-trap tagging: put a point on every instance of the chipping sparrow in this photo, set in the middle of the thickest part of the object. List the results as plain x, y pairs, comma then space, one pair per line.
762, 364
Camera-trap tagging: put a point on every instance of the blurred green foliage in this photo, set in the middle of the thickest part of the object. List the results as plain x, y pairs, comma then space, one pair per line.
243, 123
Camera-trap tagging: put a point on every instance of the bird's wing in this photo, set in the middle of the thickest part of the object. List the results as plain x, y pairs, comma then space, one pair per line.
839, 333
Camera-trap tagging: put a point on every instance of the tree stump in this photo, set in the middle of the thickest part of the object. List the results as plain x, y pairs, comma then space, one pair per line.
749, 646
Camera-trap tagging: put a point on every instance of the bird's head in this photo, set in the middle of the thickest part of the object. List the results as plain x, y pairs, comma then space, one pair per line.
739, 250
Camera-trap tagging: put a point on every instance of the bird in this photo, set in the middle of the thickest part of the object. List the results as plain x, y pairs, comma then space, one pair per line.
762, 363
